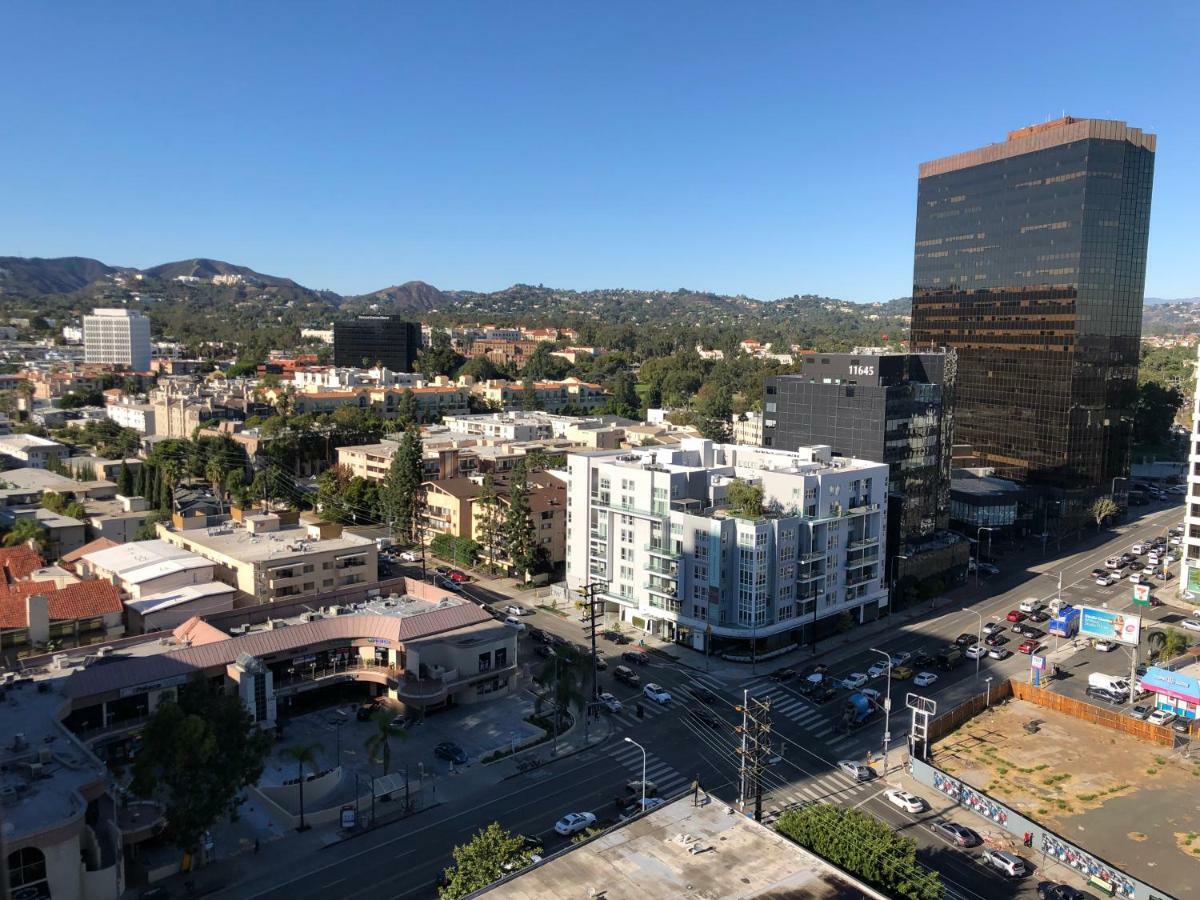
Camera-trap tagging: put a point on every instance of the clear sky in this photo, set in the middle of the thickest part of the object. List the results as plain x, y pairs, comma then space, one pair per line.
757, 148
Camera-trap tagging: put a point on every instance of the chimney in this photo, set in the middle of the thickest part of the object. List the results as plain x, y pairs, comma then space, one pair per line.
37, 615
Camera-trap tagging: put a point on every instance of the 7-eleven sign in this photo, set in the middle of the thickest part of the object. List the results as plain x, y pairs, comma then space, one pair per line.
1141, 594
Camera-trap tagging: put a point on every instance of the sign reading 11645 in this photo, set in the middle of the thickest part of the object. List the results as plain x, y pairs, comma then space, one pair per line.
862, 370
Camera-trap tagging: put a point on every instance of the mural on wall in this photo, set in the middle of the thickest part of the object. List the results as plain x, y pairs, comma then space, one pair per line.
1072, 856
972, 799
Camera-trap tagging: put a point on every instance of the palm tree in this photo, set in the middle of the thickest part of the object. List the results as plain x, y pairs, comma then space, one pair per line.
564, 674
1168, 643
303, 754
214, 471
26, 530
379, 745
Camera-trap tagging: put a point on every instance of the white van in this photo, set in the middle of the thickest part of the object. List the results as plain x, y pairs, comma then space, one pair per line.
1109, 682
1032, 605
514, 622
1057, 604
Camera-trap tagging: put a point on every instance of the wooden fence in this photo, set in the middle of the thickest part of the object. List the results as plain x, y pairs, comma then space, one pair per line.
1116, 719
968, 709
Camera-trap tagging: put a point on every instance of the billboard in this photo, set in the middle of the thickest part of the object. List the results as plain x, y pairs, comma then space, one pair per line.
1107, 625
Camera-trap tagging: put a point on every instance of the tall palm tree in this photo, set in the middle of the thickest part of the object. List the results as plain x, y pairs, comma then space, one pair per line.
564, 675
303, 754
379, 745
214, 471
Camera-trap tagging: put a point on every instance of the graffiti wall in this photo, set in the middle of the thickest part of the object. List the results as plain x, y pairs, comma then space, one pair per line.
1044, 841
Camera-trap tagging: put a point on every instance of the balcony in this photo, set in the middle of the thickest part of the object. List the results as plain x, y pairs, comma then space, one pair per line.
812, 576
656, 548
858, 508
140, 820
667, 570
420, 691
808, 558
661, 590
865, 561
864, 542
307, 678
605, 501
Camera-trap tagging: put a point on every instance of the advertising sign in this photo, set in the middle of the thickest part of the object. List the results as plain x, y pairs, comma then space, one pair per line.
1141, 594
1038, 662
1193, 579
1107, 625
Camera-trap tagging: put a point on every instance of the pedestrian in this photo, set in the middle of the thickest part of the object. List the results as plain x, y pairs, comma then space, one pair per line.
696, 790
256, 845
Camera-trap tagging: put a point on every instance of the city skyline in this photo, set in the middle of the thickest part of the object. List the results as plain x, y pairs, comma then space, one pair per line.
480, 156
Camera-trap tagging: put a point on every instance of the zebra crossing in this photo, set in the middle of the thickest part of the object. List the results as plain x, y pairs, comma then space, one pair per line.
628, 714
832, 787
668, 781
803, 712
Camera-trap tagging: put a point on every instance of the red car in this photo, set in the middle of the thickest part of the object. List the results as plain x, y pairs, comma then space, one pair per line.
1029, 646
458, 577
1016, 616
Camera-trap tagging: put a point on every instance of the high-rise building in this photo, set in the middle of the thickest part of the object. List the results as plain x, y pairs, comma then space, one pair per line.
1190, 577
364, 341
680, 554
895, 408
118, 337
1030, 261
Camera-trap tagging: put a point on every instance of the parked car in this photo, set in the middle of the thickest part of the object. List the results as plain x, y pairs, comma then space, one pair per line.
957, 834
610, 703
975, 651
408, 556
616, 637
656, 693
447, 585
516, 609
855, 770
514, 623
1141, 711
366, 710
1048, 890
925, 679
1108, 696
573, 823
1029, 646
1161, 717
641, 806
636, 657
987, 570
783, 675
1105, 646
626, 675
854, 680
910, 803
999, 653
1190, 624
451, 752
1015, 615
1010, 865
1182, 726
458, 577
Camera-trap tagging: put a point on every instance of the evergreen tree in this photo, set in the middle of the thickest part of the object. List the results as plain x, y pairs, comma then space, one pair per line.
139, 481
400, 494
624, 401
164, 495
529, 399
518, 526
491, 521
406, 409
125, 480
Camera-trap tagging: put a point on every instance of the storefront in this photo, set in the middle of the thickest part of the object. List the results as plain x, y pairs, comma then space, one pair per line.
1177, 692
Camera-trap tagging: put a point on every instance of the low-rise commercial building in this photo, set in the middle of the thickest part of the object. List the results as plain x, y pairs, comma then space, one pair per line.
31, 451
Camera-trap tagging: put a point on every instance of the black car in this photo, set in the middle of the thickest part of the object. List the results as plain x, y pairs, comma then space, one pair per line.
1096, 573
995, 639
965, 640
922, 660
626, 675
703, 694
1114, 697
635, 657
1049, 890
1038, 617
616, 637
451, 752
702, 713
443, 570
366, 710
783, 675
823, 692
1182, 726
1030, 632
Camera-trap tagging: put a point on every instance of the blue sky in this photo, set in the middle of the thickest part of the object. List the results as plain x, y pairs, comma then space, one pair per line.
765, 149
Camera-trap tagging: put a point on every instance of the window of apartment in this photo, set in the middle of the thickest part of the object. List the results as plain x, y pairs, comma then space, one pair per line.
787, 612
485, 662
626, 554
627, 573
699, 593
699, 612
626, 535
501, 657
700, 572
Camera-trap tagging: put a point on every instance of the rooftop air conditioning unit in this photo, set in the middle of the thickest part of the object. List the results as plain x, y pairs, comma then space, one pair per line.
335, 610
104, 651
8, 677
62, 660
273, 624
240, 629
311, 617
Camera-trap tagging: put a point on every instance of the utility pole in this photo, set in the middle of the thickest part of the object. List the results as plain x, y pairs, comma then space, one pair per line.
742, 752
756, 746
591, 594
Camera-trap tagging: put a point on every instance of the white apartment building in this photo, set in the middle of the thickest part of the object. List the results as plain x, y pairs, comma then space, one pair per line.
138, 416
655, 527
1190, 575
119, 337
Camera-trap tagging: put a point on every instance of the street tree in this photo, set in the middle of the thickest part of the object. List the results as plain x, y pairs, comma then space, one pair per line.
198, 756
400, 493
518, 526
1103, 508
303, 755
491, 521
379, 744
490, 855
563, 678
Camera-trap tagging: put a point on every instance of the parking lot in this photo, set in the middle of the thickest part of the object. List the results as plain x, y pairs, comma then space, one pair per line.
1089, 784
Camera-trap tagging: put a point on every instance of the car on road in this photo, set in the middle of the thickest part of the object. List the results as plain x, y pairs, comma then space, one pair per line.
447, 585
701, 693
616, 637
451, 752
823, 692
1141, 711
1096, 573
965, 639
1108, 696
987, 570
991, 627
1105, 580
636, 657
516, 609
1031, 604
641, 806
656, 693
573, 823
408, 556
514, 623
610, 703
1105, 646
1176, 541
1139, 548
975, 651
856, 770
442, 570
1015, 615
1112, 562
1039, 617
902, 673
1010, 865
995, 640
925, 679
873, 695
1190, 624
626, 675
999, 653
957, 834
1029, 646
1135, 566
1161, 717
458, 577
876, 670
783, 675
854, 681
899, 659
1029, 631
923, 660
1049, 890
908, 802
702, 713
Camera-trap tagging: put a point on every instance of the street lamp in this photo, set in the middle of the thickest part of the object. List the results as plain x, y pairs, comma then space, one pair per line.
987, 700
887, 709
630, 740
978, 639
978, 540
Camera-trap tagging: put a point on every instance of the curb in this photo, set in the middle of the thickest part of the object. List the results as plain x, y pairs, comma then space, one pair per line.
363, 832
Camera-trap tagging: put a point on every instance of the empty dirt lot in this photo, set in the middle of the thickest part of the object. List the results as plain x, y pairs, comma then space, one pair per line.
1134, 804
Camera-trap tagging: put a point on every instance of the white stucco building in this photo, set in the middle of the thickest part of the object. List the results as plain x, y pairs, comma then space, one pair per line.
119, 337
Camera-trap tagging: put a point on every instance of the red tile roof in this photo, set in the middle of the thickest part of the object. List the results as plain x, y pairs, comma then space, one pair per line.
20, 562
84, 600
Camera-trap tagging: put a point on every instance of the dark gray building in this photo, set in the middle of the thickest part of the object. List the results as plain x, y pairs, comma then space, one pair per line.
367, 340
895, 408
1030, 261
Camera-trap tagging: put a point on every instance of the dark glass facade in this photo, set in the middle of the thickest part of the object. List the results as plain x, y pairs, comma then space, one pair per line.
893, 408
368, 340
1030, 262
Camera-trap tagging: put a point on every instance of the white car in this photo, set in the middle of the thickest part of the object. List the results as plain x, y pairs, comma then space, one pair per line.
857, 771
924, 679
1112, 562
514, 623
906, 801
854, 681
873, 695
1139, 549
516, 609
899, 659
1104, 580
975, 651
1190, 624
1105, 646
1176, 541
1161, 717
408, 556
656, 693
611, 703
573, 823
876, 670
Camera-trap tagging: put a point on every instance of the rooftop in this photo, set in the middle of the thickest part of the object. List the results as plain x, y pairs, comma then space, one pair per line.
685, 851
84, 600
45, 480
238, 543
122, 558
166, 599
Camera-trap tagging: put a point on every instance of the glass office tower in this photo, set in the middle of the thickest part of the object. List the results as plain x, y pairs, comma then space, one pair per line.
1030, 262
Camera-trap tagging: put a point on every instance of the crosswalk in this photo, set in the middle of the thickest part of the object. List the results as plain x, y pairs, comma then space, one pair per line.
832, 787
668, 781
628, 714
804, 713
